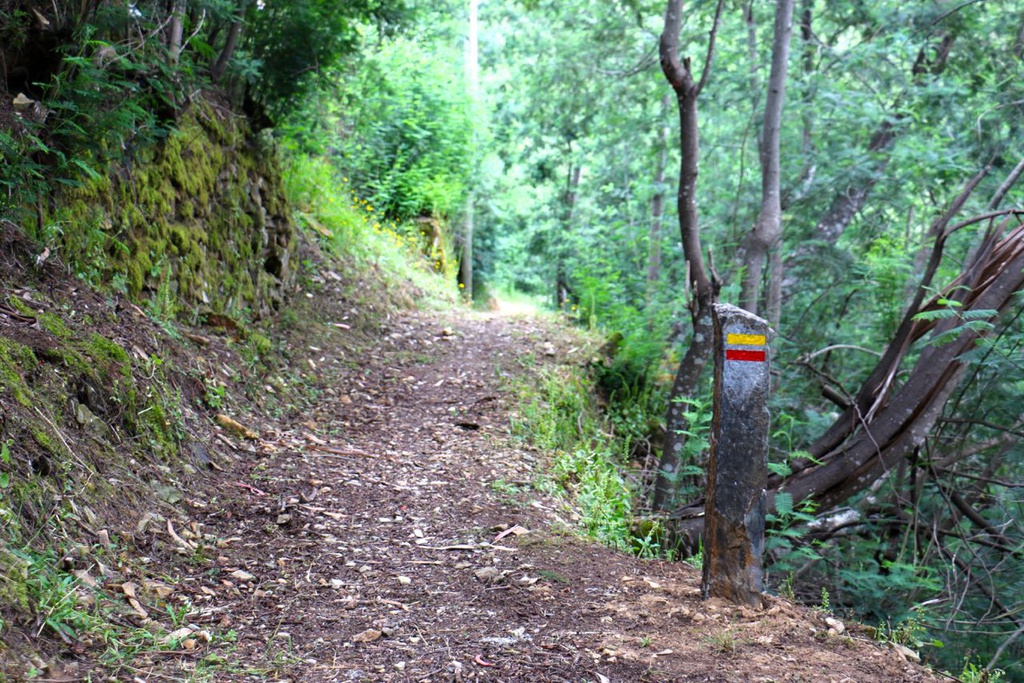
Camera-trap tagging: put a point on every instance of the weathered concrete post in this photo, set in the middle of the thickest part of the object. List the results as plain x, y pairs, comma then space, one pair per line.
738, 470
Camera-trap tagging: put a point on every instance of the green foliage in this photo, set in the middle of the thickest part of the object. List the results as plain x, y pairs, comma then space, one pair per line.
557, 416
22, 176
409, 146
628, 380
214, 394
291, 47
825, 605
571, 116
909, 631
103, 107
787, 542
975, 673
697, 417
5, 462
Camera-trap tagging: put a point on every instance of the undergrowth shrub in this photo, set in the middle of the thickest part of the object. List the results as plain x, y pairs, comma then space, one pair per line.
558, 415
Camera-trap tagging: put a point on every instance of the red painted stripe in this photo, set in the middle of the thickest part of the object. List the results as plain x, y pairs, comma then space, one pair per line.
741, 354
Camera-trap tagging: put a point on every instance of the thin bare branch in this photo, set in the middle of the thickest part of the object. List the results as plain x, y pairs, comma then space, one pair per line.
1011, 179
706, 71
834, 347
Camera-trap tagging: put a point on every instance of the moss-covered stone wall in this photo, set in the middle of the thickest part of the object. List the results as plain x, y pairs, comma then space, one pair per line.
197, 221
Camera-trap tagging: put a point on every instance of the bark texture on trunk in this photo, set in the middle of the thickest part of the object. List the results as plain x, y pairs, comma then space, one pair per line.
230, 44
701, 281
472, 84
764, 239
176, 31
562, 289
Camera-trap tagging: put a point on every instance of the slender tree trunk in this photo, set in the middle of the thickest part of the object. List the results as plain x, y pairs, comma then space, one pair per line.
658, 203
472, 83
466, 260
809, 50
230, 44
704, 286
562, 289
767, 233
176, 30
754, 72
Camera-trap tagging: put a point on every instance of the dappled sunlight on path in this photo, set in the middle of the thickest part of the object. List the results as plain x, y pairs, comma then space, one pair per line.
515, 308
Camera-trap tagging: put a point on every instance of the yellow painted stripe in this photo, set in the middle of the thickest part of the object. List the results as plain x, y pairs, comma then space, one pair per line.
746, 339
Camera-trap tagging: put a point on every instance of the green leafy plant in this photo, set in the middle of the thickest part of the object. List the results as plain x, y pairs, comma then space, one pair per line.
724, 641
909, 631
786, 531
697, 559
825, 605
975, 673
557, 416
5, 462
214, 394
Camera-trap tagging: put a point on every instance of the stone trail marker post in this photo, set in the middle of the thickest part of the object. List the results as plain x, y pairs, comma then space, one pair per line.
734, 512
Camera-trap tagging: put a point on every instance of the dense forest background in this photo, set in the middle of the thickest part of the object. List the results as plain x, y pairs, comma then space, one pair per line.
846, 170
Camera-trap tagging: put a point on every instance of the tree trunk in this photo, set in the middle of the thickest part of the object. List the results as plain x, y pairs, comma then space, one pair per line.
809, 50
466, 260
175, 31
562, 289
472, 78
901, 424
218, 68
658, 203
705, 287
767, 233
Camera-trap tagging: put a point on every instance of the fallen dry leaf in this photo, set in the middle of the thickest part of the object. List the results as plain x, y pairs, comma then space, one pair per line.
516, 530
160, 590
179, 634
367, 636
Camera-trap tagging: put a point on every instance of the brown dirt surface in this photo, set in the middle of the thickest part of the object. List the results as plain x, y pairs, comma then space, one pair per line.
370, 517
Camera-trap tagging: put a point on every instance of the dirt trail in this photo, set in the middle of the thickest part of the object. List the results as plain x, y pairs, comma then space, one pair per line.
389, 534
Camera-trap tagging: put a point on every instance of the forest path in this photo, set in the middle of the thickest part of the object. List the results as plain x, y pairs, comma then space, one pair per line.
389, 532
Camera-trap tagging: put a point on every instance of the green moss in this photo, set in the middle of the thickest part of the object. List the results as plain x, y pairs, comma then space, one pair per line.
54, 325
13, 580
18, 303
13, 358
260, 343
43, 436
101, 347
